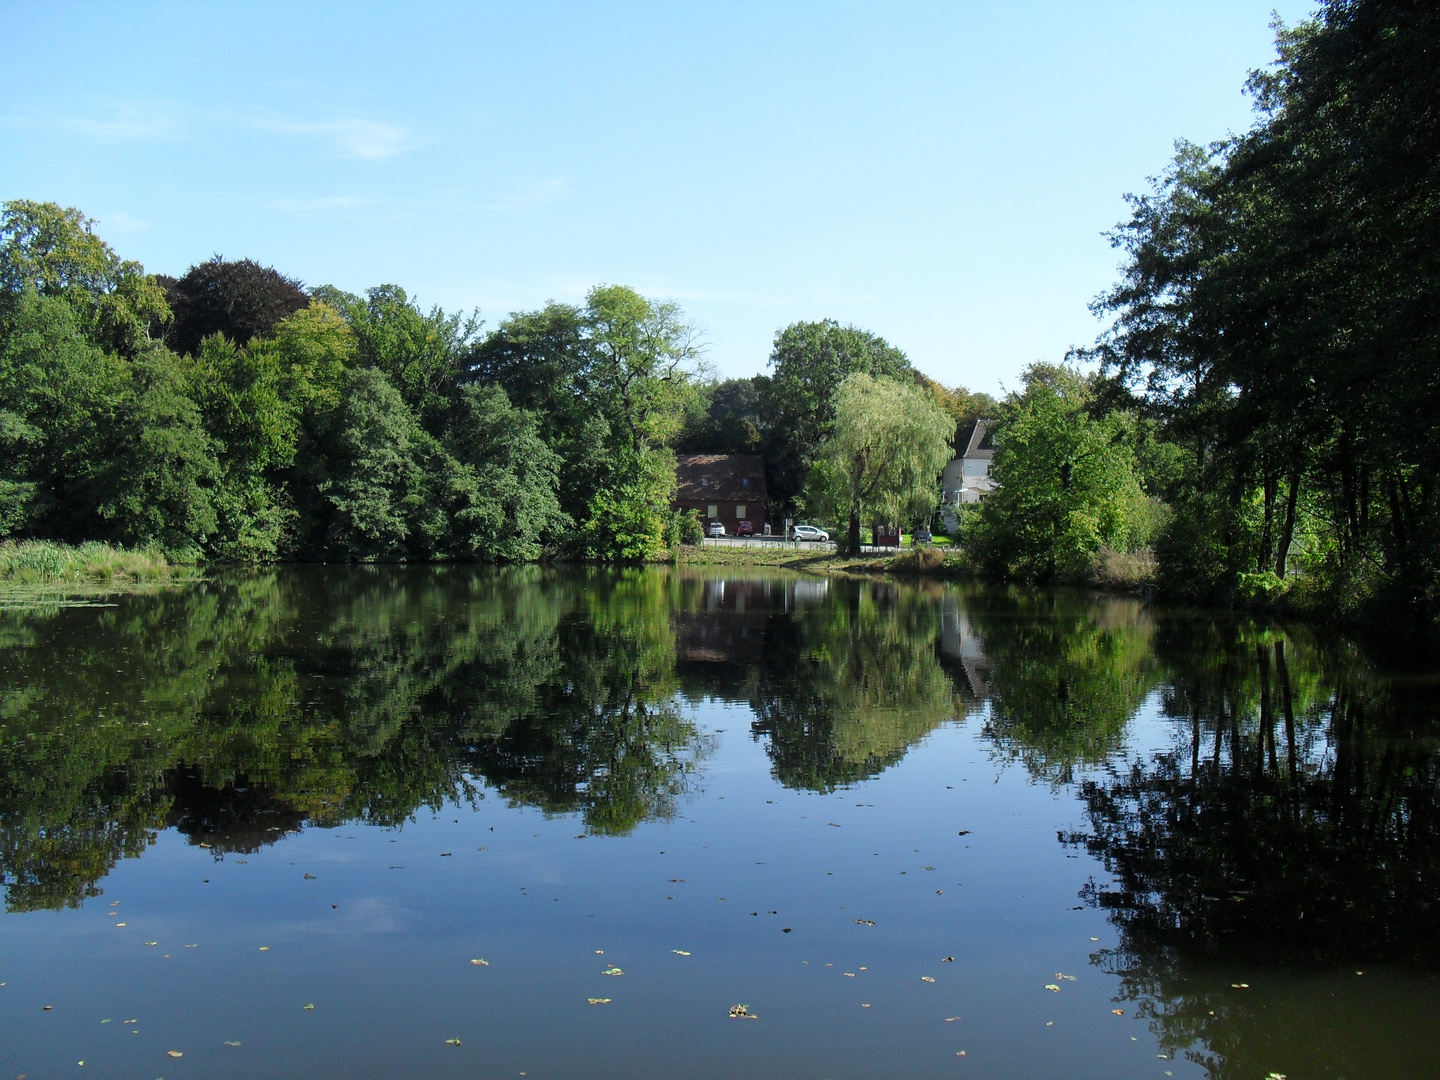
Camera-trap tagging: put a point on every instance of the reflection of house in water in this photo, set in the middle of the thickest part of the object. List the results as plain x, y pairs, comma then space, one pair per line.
726, 624
962, 651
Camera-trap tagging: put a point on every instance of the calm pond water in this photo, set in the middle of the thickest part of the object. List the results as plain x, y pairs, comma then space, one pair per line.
450, 822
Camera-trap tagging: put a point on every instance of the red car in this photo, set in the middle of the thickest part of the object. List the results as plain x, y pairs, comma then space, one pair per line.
744, 528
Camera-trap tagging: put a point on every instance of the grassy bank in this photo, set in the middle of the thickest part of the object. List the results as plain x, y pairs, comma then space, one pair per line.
931, 561
36, 569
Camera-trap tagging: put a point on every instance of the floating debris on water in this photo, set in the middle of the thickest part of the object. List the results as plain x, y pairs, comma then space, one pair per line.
742, 1012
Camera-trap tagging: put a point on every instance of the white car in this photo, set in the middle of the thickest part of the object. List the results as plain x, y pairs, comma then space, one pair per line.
810, 532
715, 529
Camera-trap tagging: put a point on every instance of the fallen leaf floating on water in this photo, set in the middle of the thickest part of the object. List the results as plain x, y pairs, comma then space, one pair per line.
1052, 988
310, 877
152, 943
963, 832
959, 1053
1240, 986
742, 1012
264, 948
951, 1019
480, 962
927, 978
680, 952
833, 824
849, 974
452, 1042
947, 959
1280, 1076
46, 1008
232, 1042
785, 930
120, 924
1062, 975
599, 952
598, 1001
174, 1053
1118, 1012
864, 922
677, 881
612, 970
309, 1006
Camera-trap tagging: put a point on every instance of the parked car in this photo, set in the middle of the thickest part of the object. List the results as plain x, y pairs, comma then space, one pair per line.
714, 529
922, 536
810, 532
744, 528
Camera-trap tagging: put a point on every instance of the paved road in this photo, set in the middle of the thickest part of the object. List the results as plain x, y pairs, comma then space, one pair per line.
768, 542
817, 546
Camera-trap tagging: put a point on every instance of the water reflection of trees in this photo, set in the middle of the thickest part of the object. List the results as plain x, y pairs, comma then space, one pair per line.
1067, 672
1295, 825
237, 711
843, 689
1294, 819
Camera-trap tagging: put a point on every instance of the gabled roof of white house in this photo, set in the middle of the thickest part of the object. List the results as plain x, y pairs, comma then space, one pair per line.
977, 440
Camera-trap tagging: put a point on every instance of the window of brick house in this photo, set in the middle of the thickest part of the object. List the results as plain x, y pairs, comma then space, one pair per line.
739, 510
714, 511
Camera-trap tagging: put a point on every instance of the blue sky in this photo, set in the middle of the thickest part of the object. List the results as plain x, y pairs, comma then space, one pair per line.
940, 174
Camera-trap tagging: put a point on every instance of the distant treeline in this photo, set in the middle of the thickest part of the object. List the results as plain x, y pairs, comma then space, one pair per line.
233, 414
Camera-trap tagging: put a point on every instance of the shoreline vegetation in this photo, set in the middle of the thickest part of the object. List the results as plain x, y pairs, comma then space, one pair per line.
42, 570
1255, 429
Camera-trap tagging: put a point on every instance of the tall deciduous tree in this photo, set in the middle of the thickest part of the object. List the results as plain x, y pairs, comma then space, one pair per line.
884, 454
54, 251
810, 360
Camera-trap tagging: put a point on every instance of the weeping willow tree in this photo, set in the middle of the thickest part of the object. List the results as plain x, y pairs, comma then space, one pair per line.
882, 459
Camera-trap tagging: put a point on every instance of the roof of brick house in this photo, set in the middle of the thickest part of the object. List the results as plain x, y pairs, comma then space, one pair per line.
720, 478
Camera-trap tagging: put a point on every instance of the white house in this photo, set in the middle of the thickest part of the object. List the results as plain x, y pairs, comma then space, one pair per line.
966, 479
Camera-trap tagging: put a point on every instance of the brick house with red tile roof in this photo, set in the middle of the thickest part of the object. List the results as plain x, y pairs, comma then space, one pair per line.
728, 488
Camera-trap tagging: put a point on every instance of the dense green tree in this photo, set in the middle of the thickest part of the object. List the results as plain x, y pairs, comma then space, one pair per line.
883, 456
55, 252
809, 362
728, 417
1065, 483
611, 383
1278, 313
422, 355
502, 479
113, 449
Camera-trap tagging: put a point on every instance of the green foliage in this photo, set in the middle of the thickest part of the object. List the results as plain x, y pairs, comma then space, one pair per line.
611, 383
1278, 316
1065, 481
810, 361
888, 444
55, 252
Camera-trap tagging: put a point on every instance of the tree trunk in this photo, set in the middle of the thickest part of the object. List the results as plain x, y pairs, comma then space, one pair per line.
852, 538
1287, 531
1267, 530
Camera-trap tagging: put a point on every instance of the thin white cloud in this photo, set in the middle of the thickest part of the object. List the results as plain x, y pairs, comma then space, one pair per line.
354, 137
162, 121
119, 221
